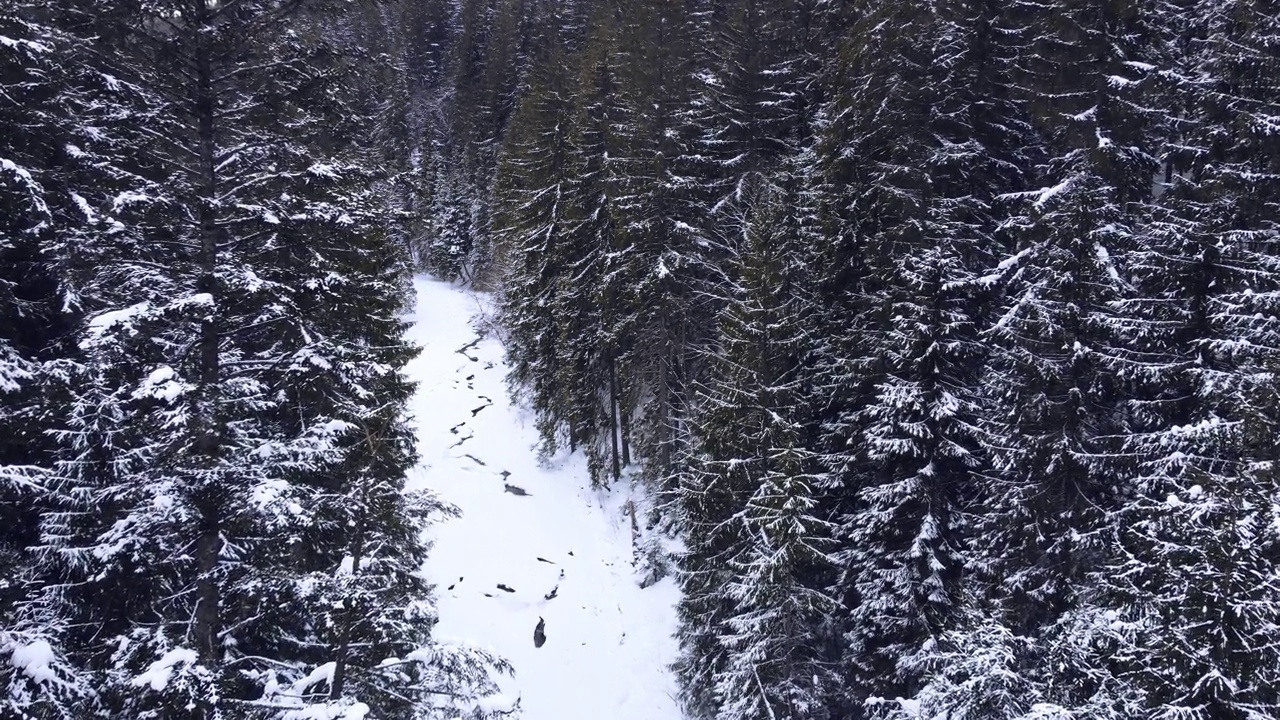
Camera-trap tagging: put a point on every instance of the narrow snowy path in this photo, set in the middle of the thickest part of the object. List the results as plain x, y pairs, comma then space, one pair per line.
533, 542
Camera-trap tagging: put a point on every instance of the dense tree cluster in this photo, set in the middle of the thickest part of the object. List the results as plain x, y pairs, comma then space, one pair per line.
947, 329
203, 439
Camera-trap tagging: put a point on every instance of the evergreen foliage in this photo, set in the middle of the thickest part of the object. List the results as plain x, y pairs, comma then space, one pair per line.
1198, 566
945, 332
56, 171
201, 338
757, 562
1038, 271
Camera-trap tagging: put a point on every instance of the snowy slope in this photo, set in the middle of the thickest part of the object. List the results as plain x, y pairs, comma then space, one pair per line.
608, 642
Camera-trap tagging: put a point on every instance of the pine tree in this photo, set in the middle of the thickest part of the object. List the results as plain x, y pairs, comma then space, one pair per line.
587, 308
451, 233
899, 555
595, 322
492, 52
535, 199
398, 48
916, 146
235, 442
660, 261
1197, 560
754, 614
29, 283
780, 626
58, 115
752, 95
752, 86
1056, 420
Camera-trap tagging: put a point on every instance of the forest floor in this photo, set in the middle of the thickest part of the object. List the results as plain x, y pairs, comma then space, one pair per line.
534, 541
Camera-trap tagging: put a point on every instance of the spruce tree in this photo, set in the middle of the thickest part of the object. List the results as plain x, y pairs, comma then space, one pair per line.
29, 283
661, 262
899, 554
1057, 399
1196, 561
58, 183
235, 442
535, 198
596, 324
450, 235
587, 305
916, 146
753, 616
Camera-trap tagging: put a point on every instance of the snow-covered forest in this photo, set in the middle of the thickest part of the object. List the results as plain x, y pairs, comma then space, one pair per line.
935, 345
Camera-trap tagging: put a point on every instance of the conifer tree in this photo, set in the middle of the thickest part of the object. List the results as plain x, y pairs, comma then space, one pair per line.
1196, 561
236, 427
451, 232
29, 283
589, 304
899, 555
535, 195
1056, 416
595, 295
754, 614
918, 142
753, 93
967, 413
58, 119
663, 262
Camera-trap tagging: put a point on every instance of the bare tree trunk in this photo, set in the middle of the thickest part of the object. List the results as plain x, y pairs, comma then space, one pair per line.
624, 430
613, 416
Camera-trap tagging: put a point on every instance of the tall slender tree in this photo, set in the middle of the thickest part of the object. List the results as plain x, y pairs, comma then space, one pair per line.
532, 194
1056, 419
754, 614
1197, 560
59, 183
916, 144
241, 363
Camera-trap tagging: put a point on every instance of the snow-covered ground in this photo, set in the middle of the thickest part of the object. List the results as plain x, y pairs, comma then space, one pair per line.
535, 543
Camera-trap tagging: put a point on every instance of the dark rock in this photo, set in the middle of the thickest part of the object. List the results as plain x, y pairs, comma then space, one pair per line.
539, 633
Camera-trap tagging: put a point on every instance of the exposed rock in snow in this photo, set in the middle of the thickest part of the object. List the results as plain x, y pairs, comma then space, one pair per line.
540, 633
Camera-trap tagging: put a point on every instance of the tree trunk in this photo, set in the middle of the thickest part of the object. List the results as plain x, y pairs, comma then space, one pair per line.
624, 430
349, 618
208, 440
613, 417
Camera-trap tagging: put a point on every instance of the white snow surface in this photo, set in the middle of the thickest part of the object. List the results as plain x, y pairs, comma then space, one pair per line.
160, 671
35, 659
608, 642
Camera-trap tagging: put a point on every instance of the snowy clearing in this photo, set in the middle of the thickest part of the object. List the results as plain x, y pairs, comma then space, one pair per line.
533, 543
